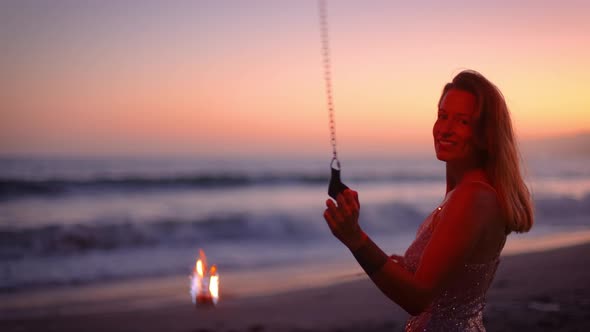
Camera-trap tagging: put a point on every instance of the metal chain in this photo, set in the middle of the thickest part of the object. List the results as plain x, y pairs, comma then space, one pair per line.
328, 76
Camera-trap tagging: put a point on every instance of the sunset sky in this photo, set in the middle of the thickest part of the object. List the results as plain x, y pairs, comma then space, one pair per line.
244, 77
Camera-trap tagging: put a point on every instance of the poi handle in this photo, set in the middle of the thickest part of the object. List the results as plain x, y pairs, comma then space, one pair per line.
336, 186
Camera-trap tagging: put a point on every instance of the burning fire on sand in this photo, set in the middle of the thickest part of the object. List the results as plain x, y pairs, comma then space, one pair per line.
204, 285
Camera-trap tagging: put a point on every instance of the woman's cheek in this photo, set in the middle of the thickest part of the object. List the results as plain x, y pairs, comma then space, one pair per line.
435, 129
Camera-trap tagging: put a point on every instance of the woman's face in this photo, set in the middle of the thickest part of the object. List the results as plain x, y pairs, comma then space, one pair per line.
453, 130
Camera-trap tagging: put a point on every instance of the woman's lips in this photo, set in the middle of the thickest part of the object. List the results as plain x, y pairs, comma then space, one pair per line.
445, 143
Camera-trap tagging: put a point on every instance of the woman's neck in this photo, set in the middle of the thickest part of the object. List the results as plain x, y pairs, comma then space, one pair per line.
457, 173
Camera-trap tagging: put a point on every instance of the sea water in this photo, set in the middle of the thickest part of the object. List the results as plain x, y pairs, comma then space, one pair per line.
67, 221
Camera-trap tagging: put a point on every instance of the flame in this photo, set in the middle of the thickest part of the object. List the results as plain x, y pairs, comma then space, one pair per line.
214, 284
204, 285
203, 260
199, 268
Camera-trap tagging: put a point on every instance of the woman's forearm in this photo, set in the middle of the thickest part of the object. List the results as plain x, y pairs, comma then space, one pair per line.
391, 277
369, 256
401, 286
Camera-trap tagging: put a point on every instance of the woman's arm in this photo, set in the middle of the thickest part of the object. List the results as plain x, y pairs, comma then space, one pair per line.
460, 225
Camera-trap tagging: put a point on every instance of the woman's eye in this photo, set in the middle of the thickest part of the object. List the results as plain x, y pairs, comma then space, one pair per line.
465, 122
442, 116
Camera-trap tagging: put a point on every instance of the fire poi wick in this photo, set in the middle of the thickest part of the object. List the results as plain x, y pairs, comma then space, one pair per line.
204, 286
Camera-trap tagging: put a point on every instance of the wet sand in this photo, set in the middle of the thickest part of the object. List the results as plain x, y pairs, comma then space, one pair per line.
540, 291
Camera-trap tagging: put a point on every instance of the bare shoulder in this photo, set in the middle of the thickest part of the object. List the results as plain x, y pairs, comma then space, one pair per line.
476, 199
477, 191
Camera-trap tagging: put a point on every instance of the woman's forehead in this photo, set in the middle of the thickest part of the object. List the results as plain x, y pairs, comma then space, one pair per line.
458, 101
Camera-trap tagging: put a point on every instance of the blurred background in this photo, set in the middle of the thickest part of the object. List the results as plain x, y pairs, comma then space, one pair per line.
133, 133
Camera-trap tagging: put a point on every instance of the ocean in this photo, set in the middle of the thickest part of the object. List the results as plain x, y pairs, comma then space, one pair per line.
66, 221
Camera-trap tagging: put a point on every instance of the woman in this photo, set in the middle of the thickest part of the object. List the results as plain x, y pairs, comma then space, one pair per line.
444, 275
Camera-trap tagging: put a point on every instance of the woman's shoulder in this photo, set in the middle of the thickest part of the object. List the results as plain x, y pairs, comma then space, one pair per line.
479, 192
477, 185
476, 182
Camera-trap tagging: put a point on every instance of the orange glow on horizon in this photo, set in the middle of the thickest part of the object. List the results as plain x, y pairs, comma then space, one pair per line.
195, 85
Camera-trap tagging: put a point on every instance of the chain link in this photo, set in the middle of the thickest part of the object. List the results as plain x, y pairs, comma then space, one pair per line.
328, 76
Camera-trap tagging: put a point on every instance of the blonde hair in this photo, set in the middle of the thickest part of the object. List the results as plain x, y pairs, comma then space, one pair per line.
497, 148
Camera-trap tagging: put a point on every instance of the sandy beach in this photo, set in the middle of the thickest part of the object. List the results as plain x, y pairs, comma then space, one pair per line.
540, 291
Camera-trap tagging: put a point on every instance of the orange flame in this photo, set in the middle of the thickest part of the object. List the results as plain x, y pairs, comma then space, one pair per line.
214, 284
204, 286
199, 268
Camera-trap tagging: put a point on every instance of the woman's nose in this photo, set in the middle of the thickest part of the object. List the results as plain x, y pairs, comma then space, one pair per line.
447, 128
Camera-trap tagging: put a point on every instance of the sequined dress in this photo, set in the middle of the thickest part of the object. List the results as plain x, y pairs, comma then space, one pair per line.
460, 306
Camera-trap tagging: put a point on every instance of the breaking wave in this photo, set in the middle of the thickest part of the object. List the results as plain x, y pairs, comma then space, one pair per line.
17, 188
116, 235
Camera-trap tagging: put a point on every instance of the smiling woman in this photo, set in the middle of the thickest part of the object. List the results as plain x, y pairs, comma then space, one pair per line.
454, 116
443, 277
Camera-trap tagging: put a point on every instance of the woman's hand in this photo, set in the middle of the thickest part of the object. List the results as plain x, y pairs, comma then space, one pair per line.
343, 219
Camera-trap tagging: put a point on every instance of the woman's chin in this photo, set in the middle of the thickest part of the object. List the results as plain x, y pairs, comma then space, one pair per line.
442, 156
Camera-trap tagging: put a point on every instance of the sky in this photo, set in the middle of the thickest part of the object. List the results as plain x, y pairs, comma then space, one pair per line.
242, 78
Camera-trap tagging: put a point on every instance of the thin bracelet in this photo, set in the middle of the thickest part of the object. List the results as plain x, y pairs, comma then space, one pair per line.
370, 257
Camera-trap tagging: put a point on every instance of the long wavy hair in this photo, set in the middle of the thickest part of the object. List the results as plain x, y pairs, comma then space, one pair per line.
497, 148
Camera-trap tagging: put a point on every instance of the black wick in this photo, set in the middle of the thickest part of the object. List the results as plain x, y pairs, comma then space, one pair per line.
336, 186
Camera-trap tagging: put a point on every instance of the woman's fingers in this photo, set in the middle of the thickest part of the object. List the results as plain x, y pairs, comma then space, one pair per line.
335, 213
346, 209
351, 199
356, 198
329, 218
343, 205
351, 203
343, 218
